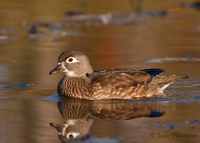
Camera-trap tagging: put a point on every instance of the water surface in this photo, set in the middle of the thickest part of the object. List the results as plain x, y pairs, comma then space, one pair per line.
27, 56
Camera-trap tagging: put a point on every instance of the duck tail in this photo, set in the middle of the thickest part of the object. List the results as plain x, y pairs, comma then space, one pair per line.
159, 83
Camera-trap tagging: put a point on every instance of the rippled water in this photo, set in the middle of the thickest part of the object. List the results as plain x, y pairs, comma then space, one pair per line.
116, 37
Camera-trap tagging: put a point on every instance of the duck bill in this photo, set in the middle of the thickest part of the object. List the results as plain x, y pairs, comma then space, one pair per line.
58, 127
57, 69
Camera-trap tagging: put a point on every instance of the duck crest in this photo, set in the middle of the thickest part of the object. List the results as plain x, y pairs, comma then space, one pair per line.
68, 54
85, 83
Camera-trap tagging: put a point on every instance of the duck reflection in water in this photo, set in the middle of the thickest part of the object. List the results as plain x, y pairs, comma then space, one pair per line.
80, 114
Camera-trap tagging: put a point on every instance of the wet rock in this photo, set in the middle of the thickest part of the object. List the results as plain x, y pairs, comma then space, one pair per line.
20, 85
32, 30
4, 37
57, 26
198, 97
195, 5
56, 40
153, 14
175, 126
194, 122
72, 12
122, 19
196, 28
166, 59
5, 32
42, 24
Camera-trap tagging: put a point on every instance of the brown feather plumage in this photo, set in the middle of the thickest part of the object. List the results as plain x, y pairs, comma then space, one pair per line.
84, 83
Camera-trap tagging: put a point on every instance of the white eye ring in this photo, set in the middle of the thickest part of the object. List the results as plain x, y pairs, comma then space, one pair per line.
72, 60
72, 135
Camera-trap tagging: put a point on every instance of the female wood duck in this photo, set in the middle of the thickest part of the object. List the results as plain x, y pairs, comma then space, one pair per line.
82, 82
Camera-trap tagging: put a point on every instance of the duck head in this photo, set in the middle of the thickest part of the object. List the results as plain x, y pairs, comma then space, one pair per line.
73, 64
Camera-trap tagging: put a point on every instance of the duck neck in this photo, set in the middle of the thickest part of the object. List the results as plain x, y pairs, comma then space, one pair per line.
82, 76
74, 86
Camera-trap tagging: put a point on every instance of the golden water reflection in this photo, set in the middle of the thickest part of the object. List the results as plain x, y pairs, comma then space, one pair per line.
28, 60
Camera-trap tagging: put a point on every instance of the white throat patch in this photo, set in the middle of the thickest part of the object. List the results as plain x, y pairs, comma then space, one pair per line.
66, 71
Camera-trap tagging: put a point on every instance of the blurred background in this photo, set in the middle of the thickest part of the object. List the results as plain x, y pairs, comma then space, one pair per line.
113, 34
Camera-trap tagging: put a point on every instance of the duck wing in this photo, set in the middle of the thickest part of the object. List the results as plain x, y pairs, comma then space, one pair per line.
117, 78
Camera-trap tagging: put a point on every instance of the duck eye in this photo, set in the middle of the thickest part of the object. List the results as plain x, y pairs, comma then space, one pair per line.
70, 60
70, 136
